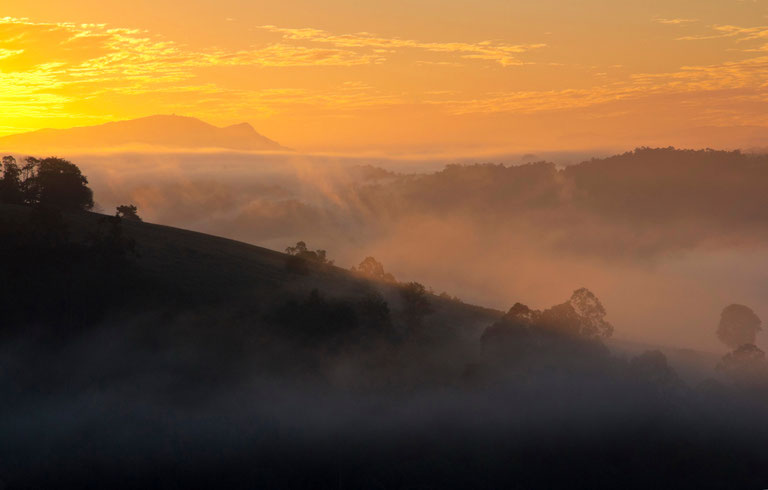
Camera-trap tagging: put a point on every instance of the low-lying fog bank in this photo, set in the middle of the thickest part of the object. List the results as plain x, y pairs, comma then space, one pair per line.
666, 237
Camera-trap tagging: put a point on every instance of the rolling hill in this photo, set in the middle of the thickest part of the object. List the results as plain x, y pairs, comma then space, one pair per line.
202, 269
216, 363
154, 132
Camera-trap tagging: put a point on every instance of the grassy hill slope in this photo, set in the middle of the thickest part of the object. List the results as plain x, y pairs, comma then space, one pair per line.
197, 268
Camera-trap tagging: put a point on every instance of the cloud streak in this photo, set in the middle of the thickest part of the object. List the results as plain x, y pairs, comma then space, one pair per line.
502, 53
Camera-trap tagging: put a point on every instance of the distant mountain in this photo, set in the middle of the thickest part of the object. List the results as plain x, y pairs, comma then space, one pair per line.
161, 131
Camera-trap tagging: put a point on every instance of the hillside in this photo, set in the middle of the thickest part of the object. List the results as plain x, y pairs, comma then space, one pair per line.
205, 269
153, 132
186, 272
214, 363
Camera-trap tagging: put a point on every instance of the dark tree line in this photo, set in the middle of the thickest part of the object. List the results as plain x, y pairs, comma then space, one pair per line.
49, 182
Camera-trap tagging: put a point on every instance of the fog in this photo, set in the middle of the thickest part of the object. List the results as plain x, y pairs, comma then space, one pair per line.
666, 281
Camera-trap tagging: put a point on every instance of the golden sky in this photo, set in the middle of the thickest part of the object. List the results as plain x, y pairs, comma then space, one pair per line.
398, 76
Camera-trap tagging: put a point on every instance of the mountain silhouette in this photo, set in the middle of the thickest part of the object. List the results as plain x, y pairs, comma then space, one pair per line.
160, 131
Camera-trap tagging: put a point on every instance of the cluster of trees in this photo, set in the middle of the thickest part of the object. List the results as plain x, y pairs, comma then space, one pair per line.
577, 325
413, 295
373, 269
49, 182
129, 212
301, 251
300, 257
416, 305
582, 316
52, 183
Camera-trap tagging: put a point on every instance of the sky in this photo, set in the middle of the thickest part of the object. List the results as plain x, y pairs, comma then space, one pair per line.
399, 77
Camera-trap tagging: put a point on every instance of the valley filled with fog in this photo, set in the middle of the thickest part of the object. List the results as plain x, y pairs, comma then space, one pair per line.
665, 238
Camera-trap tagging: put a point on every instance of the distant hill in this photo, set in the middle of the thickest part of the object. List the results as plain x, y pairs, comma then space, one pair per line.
161, 131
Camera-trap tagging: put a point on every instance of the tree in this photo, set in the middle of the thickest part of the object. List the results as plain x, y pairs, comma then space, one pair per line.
10, 185
569, 330
739, 325
416, 304
372, 268
128, 212
592, 314
581, 316
509, 334
56, 183
302, 252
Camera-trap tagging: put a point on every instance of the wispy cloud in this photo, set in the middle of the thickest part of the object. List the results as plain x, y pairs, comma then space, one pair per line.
675, 21
45, 66
740, 34
748, 76
504, 54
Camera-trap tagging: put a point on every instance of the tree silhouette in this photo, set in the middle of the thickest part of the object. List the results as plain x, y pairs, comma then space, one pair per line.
581, 316
739, 325
56, 183
11, 191
591, 313
302, 252
128, 212
569, 330
416, 304
510, 334
372, 268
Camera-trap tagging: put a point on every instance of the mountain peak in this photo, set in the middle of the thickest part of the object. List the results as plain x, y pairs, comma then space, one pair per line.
157, 131
241, 126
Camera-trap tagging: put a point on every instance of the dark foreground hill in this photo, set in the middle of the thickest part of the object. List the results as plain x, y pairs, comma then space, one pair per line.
141, 356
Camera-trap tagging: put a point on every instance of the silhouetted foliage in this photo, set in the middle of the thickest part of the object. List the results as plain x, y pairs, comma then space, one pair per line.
591, 315
301, 251
739, 325
55, 183
451, 297
573, 328
11, 190
128, 211
300, 255
373, 269
416, 304
512, 333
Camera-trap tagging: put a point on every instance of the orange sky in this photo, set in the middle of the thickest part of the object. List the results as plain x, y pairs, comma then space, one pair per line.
399, 76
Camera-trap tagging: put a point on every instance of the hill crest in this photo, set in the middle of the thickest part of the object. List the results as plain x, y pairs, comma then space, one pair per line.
157, 131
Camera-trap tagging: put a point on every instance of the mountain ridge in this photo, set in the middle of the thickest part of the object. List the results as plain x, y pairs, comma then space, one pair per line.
159, 131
